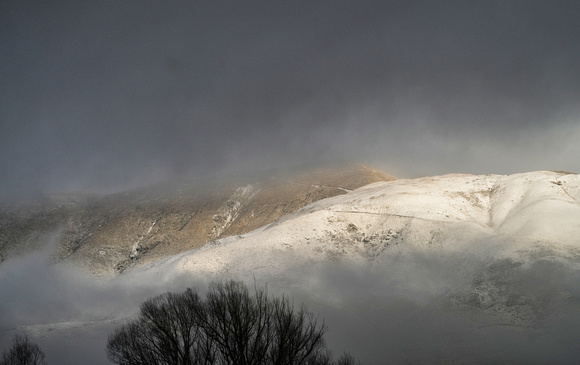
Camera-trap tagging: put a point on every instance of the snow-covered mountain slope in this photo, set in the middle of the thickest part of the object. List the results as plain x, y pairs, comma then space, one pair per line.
504, 248
448, 213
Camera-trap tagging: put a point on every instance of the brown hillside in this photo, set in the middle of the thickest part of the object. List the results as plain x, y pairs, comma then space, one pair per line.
109, 234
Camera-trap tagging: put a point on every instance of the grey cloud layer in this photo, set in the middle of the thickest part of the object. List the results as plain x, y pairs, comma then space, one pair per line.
108, 95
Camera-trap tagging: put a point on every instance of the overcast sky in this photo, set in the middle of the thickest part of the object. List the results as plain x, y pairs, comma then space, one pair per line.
109, 95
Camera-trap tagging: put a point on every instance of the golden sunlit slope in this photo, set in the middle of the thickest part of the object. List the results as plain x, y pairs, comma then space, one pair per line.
110, 233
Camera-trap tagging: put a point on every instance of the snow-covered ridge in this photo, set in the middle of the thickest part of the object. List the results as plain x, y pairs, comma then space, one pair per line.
367, 225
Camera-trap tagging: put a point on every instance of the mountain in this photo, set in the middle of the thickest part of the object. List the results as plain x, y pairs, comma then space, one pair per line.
501, 225
107, 234
457, 268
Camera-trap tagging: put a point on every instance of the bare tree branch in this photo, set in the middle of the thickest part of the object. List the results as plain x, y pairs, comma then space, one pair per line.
22, 352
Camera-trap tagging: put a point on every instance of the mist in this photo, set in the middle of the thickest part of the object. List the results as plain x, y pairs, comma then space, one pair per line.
68, 312
414, 307
409, 313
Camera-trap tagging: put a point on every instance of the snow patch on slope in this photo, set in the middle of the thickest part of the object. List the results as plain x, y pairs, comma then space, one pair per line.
136, 248
231, 209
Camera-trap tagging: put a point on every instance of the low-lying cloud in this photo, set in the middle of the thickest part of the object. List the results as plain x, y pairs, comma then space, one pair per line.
65, 310
426, 308
420, 307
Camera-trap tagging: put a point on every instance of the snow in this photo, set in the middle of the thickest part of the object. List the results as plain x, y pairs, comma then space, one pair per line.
231, 209
135, 248
447, 213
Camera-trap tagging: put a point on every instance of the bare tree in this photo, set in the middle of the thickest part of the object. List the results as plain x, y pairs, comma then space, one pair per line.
167, 332
347, 359
231, 326
22, 352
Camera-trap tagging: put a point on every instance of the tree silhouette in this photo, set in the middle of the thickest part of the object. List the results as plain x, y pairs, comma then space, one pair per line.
230, 326
22, 352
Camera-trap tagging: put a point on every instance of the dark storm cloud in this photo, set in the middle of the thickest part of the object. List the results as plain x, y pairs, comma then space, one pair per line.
109, 95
